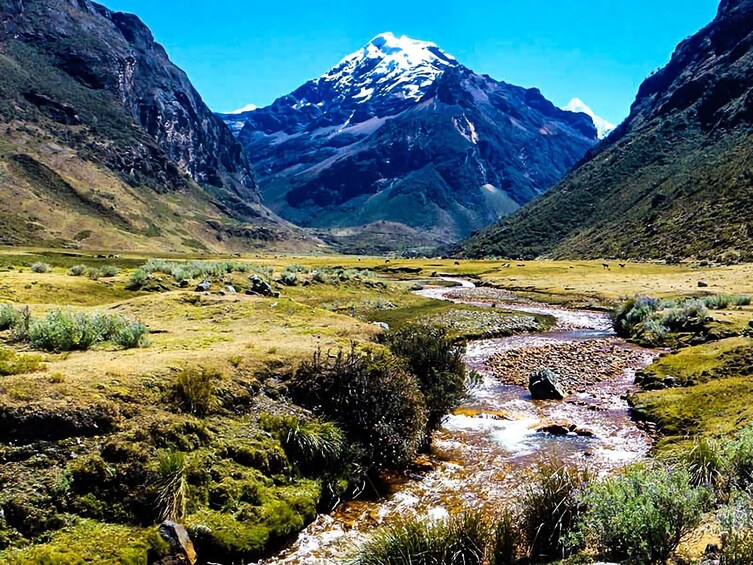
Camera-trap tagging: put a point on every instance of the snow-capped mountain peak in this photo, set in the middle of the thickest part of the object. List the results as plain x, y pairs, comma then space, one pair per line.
396, 66
603, 127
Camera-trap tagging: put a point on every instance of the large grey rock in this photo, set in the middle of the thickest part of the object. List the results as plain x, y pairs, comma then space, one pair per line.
544, 385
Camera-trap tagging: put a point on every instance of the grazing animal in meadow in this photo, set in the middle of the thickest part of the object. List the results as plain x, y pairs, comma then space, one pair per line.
605, 265
457, 262
622, 265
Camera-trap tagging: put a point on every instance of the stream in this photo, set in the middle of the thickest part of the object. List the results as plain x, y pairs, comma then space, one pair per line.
481, 456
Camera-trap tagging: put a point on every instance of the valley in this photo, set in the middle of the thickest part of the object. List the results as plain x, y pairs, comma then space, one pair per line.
71, 419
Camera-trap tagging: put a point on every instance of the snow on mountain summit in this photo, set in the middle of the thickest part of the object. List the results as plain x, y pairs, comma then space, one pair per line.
391, 65
603, 127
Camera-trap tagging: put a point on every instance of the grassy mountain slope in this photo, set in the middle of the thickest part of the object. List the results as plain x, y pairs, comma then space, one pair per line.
104, 143
674, 180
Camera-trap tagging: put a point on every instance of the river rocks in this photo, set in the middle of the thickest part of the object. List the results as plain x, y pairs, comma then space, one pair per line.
544, 385
180, 542
577, 364
557, 428
261, 287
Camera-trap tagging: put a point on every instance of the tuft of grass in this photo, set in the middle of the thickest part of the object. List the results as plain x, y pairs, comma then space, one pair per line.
551, 508
724, 301
77, 270
313, 445
40, 267
459, 540
707, 465
196, 389
171, 485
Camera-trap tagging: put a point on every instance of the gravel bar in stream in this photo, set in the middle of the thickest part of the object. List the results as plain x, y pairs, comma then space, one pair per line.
578, 364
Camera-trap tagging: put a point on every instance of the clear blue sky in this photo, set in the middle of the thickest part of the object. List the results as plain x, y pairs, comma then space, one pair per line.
238, 52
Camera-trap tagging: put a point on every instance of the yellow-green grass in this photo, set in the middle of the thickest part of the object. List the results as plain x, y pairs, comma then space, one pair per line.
713, 397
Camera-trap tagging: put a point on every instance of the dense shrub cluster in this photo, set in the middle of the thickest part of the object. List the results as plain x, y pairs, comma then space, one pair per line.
641, 514
649, 320
437, 364
378, 402
62, 330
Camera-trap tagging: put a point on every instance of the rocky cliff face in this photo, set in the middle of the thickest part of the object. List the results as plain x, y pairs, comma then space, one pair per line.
674, 179
400, 132
139, 113
107, 144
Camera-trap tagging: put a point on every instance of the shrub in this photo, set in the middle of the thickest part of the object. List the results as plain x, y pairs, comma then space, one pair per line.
551, 507
139, 279
131, 336
288, 278
740, 457
9, 316
77, 270
689, 317
736, 521
634, 312
377, 401
93, 273
642, 514
40, 267
459, 540
196, 389
171, 485
109, 271
65, 331
724, 301
437, 364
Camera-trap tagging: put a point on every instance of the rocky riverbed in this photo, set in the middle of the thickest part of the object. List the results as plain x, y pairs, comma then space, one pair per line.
577, 364
484, 452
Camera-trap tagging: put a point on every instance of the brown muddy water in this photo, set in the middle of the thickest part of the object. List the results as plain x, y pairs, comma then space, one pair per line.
482, 455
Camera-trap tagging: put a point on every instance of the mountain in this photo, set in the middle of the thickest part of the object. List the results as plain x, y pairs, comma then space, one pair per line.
603, 127
107, 144
674, 180
400, 134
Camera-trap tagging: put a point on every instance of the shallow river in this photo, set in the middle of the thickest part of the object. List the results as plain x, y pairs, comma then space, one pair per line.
482, 454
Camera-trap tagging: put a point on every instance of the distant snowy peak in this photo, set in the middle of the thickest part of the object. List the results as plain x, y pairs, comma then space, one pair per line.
246, 108
603, 127
237, 118
389, 65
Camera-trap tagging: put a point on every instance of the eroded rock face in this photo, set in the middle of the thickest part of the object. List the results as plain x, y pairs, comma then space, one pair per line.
140, 114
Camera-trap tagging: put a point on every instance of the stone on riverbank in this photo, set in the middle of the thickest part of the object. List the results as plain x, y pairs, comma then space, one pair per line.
544, 385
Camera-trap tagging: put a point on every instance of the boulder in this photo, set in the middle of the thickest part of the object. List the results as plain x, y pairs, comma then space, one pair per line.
557, 428
179, 540
702, 284
230, 289
204, 286
544, 385
261, 287
383, 325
